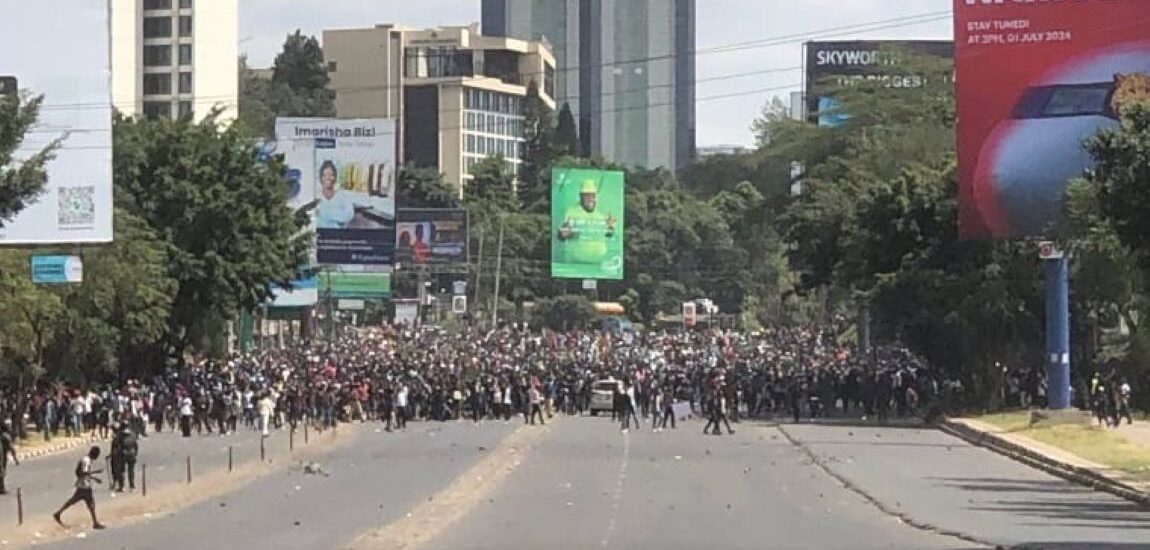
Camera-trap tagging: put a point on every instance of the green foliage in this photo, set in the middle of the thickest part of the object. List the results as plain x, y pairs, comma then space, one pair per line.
567, 134
424, 188
539, 152
297, 87
221, 214
20, 182
565, 312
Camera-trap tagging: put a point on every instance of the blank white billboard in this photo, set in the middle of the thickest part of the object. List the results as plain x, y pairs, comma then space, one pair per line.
60, 49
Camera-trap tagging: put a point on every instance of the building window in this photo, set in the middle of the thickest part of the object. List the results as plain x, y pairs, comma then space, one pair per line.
157, 27
157, 4
185, 4
437, 62
185, 25
185, 83
157, 109
157, 56
157, 84
185, 109
185, 54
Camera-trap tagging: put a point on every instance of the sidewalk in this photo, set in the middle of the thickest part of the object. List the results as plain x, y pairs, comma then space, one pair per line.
1059, 461
46, 482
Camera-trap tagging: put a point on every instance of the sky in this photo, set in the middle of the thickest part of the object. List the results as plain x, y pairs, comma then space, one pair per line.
749, 76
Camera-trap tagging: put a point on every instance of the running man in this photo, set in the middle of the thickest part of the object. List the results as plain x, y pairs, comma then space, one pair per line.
85, 476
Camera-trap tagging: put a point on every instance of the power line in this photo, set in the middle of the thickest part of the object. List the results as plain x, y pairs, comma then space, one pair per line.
726, 48
602, 111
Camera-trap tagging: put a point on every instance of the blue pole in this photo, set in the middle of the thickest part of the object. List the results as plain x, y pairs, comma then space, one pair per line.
1057, 333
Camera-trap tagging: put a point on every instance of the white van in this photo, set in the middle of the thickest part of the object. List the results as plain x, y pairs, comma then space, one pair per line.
603, 395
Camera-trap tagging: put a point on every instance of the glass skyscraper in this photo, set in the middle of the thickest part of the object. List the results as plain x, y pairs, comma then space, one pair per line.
626, 68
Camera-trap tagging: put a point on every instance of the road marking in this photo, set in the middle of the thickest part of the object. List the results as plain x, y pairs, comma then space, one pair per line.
617, 498
426, 522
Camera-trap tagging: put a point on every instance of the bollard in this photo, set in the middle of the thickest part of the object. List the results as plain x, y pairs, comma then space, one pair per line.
108, 473
144, 479
263, 453
189, 463
19, 506
291, 439
231, 462
305, 423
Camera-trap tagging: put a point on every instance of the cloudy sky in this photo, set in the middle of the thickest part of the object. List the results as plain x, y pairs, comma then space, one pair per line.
750, 75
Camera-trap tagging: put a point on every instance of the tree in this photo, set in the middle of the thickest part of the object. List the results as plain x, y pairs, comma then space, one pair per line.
297, 87
256, 104
565, 312
424, 188
22, 181
538, 151
300, 65
221, 214
567, 134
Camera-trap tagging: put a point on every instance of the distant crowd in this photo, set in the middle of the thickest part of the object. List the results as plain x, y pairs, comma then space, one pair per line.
395, 374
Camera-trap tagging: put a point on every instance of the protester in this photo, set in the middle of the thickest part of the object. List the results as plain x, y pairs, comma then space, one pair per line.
85, 477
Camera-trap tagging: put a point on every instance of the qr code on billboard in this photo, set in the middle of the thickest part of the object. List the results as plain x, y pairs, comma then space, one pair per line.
77, 205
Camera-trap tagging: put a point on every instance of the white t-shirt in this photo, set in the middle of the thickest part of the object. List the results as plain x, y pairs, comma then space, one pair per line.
186, 406
84, 469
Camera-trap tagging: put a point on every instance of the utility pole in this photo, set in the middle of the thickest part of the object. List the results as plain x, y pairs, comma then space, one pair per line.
478, 272
498, 275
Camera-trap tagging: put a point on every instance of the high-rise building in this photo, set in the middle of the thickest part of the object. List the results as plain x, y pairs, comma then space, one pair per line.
458, 95
175, 57
626, 68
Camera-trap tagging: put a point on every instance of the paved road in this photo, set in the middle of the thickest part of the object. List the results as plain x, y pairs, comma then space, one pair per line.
46, 481
582, 484
944, 482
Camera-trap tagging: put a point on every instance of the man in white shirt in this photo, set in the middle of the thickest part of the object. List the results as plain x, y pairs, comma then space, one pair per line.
186, 412
85, 477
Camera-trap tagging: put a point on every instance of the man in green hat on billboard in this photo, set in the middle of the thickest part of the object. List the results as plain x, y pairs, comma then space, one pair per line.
585, 233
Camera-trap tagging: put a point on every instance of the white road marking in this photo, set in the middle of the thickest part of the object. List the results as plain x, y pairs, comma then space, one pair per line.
617, 498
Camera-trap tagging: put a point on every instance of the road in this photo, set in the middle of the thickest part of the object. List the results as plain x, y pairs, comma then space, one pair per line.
579, 483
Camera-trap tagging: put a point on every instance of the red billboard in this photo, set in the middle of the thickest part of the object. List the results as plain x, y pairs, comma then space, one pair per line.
1035, 78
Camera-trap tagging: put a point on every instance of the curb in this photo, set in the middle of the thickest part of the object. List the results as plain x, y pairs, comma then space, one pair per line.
1035, 459
72, 443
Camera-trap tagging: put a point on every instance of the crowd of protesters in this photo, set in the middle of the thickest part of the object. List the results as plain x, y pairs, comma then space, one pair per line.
396, 374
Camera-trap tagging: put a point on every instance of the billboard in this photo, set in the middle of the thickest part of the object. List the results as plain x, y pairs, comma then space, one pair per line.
1034, 80
838, 63
345, 171
431, 237
76, 205
587, 224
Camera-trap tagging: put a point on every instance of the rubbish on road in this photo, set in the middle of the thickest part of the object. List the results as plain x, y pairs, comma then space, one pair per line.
223, 505
81, 535
678, 457
570, 504
315, 469
296, 523
482, 448
297, 487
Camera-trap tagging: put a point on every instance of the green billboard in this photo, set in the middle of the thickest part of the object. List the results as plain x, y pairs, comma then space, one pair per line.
586, 224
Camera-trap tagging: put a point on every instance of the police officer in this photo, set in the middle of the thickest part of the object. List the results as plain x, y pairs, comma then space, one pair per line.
7, 447
125, 448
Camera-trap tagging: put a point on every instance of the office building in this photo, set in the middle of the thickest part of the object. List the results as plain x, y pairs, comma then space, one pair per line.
175, 57
458, 95
626, 68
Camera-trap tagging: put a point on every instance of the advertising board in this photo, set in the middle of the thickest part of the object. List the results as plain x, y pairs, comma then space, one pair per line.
1034, 81
429, 236
587, 224
834, 64
344, 170
76, 204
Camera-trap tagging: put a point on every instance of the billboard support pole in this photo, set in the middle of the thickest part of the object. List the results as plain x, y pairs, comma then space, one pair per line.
1057, 332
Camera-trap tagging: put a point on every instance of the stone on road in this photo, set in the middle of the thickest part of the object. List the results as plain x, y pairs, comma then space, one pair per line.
581, 483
